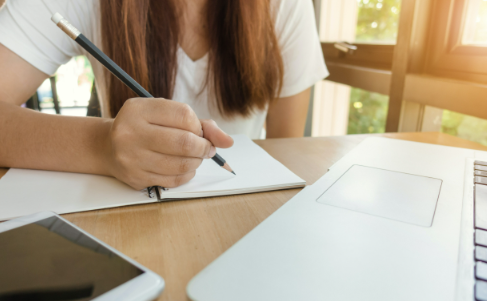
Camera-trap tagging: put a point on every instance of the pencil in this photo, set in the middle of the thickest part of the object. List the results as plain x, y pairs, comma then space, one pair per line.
87, 45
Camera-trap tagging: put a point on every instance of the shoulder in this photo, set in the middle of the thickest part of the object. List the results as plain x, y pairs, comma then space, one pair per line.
291, 10
27, 30
299, 42
81, 7
290, 6
37, 13
293, 18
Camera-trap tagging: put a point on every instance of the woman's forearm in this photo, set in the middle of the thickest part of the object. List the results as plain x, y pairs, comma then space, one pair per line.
34, 140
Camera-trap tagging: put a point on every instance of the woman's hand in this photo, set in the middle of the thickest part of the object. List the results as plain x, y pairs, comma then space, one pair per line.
159, 142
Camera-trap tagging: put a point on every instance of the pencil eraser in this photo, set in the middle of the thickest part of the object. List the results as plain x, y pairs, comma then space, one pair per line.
56, 18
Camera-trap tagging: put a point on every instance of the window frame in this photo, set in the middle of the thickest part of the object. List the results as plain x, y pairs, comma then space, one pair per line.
429, 54
376, 56
447, 56
369, 67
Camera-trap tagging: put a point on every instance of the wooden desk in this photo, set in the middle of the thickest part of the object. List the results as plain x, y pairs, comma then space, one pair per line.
178, 239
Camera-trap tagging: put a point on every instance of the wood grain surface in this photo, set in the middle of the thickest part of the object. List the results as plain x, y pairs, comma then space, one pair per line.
178, 239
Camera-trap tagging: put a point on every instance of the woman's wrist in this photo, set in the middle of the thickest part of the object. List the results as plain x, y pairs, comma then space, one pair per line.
104, 157
97, 156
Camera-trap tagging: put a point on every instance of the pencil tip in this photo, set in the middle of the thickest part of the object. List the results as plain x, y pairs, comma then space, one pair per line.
228, 168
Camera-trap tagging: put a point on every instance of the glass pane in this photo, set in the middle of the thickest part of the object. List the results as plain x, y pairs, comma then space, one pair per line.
377, 21
74, 82
464, 126
475, 31
45, 97
368, 112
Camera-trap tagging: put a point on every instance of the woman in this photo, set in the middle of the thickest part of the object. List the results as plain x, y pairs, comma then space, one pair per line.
241, 63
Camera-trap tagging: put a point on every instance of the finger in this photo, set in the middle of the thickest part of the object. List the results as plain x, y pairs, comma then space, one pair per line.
215, 135
163, 112
153, 179
169, 165
176, 142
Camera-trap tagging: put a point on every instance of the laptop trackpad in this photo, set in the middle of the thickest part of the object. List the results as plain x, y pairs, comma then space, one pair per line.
390, 194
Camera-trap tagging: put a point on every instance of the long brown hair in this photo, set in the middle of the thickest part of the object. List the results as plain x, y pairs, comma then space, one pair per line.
245, 68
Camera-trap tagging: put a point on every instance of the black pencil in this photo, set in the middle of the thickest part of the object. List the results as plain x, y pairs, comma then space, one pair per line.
87, 45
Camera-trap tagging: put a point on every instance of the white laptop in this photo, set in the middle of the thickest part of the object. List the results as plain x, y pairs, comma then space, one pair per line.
392, 220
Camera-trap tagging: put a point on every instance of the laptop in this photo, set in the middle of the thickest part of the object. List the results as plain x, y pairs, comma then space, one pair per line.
392, 220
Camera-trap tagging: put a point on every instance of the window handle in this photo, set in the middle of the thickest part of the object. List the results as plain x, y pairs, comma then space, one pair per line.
345, 47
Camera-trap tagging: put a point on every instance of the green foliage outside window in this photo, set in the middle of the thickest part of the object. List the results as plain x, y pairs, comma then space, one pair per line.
464, 126
368, 112
377, 23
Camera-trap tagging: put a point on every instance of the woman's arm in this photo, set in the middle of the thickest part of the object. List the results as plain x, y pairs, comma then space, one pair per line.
34, 140
152, 142
287, 116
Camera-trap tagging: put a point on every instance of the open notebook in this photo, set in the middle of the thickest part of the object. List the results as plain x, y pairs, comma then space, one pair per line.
24, 191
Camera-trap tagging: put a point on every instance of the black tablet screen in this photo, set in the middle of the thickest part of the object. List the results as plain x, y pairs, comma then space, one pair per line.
51, 260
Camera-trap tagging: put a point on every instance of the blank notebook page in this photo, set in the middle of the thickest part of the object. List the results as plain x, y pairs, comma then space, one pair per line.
24, 191
255, 170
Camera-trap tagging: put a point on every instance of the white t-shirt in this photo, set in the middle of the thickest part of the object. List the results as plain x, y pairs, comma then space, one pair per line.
26, 29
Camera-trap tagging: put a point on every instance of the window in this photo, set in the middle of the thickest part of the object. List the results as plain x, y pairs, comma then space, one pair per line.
74, 82
368, 112
475, 31
464, 126
425, 60
377, 21
457, 39
360, 103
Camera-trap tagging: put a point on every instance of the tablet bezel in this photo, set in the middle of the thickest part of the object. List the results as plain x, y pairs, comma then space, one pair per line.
146, 286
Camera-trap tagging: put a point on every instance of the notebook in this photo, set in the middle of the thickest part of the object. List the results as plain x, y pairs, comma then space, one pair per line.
24, 191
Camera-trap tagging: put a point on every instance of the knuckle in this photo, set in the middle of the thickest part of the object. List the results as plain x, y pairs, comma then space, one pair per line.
187, 143
133, 181
189, 176
186, 114
183, 179
157, 180
118, 134
116, 125
178, 180
200, 161
172, 182
184, 166
209, 122
206, 149
131, 102
121, 131
120, 158
134, 104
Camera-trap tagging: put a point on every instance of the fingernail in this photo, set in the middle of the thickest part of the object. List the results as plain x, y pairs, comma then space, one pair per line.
201, 134
212, 152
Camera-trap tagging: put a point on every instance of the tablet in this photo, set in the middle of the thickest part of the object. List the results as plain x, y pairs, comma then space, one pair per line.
45, 257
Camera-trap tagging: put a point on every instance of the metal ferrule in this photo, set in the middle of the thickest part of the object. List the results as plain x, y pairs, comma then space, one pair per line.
69, 29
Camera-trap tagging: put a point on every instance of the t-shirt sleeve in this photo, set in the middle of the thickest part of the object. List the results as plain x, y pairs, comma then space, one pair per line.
296, 31
27, 30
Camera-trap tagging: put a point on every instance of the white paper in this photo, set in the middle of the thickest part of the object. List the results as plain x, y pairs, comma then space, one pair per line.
24, 191
255, 170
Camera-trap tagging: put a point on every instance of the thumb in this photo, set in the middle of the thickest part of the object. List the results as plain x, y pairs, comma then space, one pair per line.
215, 135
